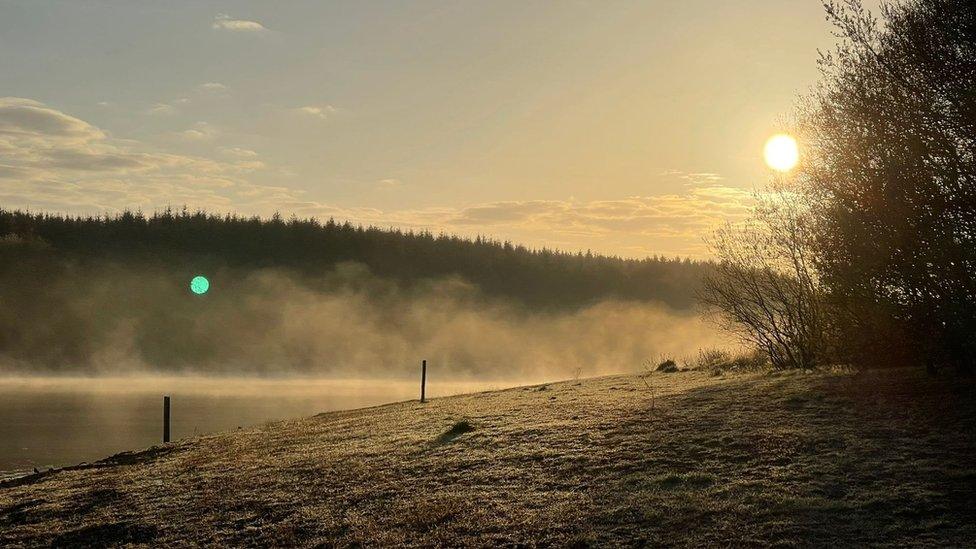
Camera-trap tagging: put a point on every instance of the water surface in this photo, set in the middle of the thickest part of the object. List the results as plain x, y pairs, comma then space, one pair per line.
56, 421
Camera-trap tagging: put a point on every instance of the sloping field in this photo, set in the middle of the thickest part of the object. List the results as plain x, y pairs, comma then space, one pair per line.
676, 459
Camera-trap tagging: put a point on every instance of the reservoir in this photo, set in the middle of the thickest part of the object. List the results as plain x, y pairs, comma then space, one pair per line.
57, 421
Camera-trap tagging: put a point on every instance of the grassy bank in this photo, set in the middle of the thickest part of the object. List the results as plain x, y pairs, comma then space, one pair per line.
801, 459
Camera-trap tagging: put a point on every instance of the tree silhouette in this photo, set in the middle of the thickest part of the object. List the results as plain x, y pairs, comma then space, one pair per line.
890, 139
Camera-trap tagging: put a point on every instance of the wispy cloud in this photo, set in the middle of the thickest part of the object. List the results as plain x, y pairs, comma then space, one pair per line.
693, 178
321, 112
639, 225
164, 109
238, 152
686, 214
201, 131
225, 22
52, 160
213, 87
390, 183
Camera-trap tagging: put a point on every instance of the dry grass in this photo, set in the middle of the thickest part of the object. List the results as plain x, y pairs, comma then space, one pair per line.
833, 459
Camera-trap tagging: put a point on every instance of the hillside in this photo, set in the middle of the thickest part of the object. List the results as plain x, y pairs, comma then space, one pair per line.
187, 243
112, 294
760, 459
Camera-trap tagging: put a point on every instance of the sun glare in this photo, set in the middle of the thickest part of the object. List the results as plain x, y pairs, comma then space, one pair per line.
781, 152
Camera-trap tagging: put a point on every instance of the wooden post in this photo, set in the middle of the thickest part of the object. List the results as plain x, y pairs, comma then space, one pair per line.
165, 419
423, 381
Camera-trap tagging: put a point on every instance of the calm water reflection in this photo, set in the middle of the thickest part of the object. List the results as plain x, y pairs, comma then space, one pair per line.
47, 422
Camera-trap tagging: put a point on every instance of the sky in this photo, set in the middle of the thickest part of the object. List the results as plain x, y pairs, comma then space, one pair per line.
622, 127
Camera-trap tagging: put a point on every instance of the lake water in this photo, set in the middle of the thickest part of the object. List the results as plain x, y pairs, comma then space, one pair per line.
56, 421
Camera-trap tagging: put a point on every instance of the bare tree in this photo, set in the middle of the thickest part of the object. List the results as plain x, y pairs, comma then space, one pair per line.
765, 288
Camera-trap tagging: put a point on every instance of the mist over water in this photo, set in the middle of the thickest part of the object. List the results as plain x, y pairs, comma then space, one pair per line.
347, 323
87, 360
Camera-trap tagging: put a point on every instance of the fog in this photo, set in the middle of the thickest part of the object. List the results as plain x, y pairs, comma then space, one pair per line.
347, 323
87, 351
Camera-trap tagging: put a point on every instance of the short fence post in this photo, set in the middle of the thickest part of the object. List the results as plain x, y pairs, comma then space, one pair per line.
423, 381
165, 419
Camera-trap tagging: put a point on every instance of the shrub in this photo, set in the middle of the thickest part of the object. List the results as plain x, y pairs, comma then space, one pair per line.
719, 361
668, 366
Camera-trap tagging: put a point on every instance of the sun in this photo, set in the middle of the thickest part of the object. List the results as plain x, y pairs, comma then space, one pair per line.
781, 152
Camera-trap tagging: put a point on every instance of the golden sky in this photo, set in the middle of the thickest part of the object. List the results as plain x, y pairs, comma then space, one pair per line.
622, 127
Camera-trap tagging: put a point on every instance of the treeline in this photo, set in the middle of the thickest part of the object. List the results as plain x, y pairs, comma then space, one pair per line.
198, 241
110, 294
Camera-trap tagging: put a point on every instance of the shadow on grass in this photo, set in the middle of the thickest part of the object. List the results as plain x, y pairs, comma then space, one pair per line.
458, 429
102, 535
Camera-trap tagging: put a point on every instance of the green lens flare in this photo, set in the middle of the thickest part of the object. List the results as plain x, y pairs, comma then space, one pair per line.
199, 285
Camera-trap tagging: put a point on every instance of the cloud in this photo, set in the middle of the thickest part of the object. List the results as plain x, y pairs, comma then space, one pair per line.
52, 160
239, 152
672, 224
693, 178
686, 214
28, 119
162, 109
195, 135
201, 131
247, 166
13, 172
391, 183
322, 112
225, 22
213, 87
